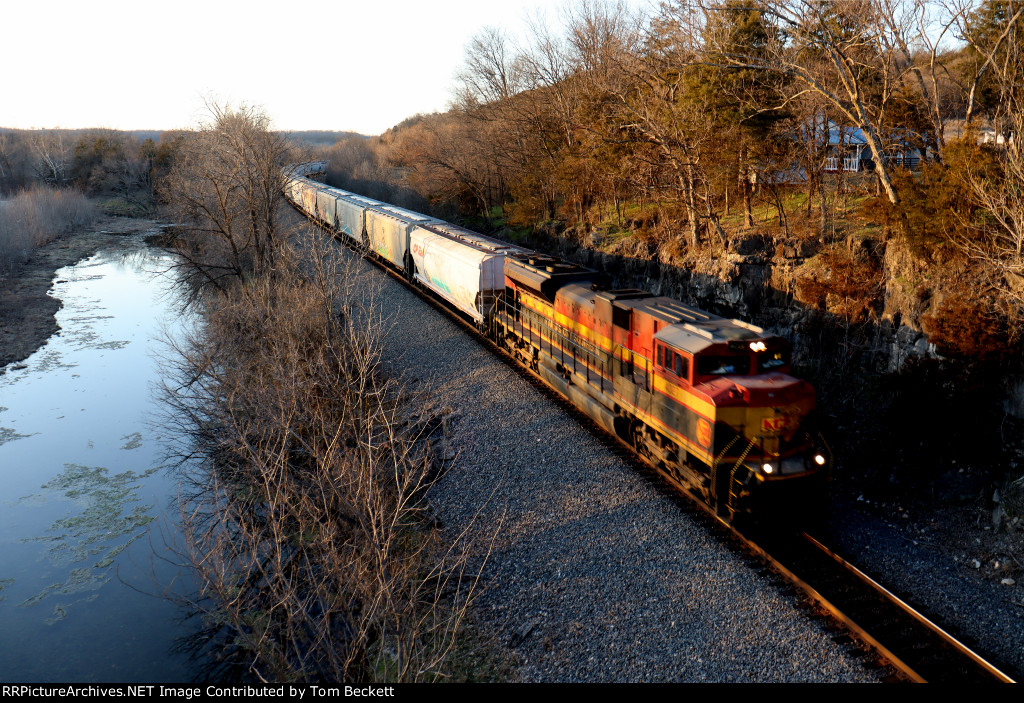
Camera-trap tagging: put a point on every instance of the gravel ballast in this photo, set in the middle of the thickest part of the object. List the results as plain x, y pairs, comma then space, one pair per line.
591, 573
934, 561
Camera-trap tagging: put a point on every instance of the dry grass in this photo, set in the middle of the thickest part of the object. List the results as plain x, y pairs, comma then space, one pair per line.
307, 523
37, 216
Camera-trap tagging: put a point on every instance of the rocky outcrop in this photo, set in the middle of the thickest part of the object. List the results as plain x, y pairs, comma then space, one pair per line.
766, 280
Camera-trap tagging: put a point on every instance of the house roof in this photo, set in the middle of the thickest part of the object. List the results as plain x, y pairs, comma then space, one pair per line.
853, 136
850, 136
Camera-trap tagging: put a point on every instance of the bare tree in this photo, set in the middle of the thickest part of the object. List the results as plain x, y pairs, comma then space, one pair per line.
53, 155
999, 189
15, 160
836, 50
448, 159
916, 32
226, 188
491, 73
501, 88
644, 84
996, 44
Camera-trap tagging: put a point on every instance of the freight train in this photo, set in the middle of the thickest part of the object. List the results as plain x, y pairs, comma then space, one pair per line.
708, 401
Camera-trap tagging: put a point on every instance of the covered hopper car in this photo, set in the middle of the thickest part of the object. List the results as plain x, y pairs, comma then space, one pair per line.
707, 401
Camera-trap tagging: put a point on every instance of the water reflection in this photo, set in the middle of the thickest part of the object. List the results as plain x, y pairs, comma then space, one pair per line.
81, 485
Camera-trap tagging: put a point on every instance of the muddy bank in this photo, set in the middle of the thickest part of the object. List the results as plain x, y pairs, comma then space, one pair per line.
26, 311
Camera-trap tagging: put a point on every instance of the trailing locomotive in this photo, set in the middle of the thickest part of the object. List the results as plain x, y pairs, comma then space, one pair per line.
708, 401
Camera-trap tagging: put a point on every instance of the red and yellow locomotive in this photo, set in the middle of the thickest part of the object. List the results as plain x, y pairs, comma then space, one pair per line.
708, 401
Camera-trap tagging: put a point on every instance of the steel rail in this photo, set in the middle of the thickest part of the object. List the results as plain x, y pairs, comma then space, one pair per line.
984, 665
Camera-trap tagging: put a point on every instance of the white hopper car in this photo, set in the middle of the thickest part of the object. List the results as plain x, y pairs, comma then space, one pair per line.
461, 266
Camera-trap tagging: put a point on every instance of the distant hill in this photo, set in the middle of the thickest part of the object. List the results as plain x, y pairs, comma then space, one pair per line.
322, 137
139, 134
314, 137
144, 134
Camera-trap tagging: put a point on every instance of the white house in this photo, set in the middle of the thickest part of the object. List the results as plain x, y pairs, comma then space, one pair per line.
848, 150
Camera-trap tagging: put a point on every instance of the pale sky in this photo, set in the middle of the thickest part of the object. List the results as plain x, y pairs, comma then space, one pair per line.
359, 65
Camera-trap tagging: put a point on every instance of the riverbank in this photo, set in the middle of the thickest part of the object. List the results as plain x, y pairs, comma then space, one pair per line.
26, 310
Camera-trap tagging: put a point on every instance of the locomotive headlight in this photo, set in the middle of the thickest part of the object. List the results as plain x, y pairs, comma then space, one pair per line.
819, 459
758, 346
768, 468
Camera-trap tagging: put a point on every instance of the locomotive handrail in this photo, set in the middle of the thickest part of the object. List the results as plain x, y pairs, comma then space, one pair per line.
541, 325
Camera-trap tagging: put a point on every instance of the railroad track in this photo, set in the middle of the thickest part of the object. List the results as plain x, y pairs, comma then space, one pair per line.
903, 637
889, 632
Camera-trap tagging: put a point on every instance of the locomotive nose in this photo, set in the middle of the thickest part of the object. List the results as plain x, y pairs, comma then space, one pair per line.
775, 389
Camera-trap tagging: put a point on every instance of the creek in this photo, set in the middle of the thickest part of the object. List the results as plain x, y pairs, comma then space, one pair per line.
88, 502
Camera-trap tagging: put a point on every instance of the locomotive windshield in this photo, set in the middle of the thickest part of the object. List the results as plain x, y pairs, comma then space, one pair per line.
723, 365
772, 360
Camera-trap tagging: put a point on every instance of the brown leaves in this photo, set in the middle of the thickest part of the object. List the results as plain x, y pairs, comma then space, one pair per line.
968, 327
849, 284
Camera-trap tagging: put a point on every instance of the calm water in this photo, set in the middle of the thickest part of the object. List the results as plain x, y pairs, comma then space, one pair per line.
86, 509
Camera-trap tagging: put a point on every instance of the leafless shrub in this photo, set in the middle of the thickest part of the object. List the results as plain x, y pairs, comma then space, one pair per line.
37, 216
307, 522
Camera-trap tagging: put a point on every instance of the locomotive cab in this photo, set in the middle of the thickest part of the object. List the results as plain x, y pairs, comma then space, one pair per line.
739, 411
